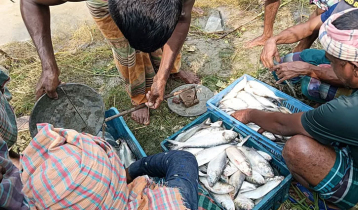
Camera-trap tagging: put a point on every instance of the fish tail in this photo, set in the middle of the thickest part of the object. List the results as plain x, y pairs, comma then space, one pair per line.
280, 100
174, 145
243, 141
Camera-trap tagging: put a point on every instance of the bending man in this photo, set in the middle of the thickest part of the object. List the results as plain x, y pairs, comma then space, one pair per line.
144, 35
323, 152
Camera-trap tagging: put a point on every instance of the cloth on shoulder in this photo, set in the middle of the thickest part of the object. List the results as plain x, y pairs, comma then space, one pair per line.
342, 44
65, 169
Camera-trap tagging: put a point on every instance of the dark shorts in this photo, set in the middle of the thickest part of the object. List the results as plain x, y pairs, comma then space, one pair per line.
340, 186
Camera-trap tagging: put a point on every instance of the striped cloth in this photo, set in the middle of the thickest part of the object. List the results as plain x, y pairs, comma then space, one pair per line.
8, 128
340, 186
11, 197
342, 44
313, 88
136, 68
63, 169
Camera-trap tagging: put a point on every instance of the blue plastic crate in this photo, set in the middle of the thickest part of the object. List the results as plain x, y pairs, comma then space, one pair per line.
291, 103
119, 129
277, 196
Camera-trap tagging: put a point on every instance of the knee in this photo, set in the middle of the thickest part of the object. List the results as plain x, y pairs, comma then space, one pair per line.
296, 147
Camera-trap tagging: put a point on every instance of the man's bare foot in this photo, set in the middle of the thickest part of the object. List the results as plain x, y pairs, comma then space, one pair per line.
141, 116
258, 41
187, 77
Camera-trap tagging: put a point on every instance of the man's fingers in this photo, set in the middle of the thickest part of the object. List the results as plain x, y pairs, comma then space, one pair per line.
260, 131
52, 94
282, 80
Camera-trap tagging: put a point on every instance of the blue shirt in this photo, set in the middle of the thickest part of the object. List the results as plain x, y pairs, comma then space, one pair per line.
328, 13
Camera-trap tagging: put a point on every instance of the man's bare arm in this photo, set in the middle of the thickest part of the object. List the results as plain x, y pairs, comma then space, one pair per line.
288, 36
36, 15
274, 122
298, 32
170, 51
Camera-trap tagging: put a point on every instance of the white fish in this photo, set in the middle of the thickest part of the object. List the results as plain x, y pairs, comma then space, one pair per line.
250, 100
204, 141
234, 104
275, 178
218, 123
238, 158
240, 86
126, 155
185, 135
216, 167
284, 110
203, 168
224, 179
247, 186
265, 155
205, 131
269, 135
253, 126
257, 201
255, 178
236, 180
193, 151
203, 157
244, 203
218, 188
258, 163
262, 190
224, 200
262, 90
267, 103
230, 169
202, 174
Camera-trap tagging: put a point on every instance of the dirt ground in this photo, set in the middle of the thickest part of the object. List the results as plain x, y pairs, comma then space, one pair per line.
84, 57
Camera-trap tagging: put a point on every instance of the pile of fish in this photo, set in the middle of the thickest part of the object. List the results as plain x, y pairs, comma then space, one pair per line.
236, 176
125, 154
254, 95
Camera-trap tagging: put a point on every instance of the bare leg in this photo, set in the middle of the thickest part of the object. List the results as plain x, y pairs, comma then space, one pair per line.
271, 8
308, 160
308, 41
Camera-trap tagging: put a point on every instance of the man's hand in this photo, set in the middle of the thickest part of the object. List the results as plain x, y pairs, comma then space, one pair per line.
2, 172
48, 83
242, 115
289, 70
269, 52
156, 95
